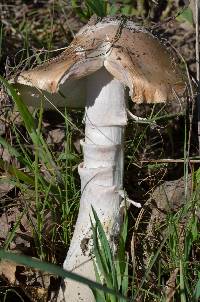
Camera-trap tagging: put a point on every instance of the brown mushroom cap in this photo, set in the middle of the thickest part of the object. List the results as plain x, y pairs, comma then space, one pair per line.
129, 52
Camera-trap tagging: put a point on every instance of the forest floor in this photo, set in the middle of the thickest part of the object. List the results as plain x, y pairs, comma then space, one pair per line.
33, 31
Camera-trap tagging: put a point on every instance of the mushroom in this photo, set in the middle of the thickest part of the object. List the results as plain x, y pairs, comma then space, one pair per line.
106, 56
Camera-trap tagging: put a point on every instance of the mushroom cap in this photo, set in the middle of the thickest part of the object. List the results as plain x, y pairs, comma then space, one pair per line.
128, 51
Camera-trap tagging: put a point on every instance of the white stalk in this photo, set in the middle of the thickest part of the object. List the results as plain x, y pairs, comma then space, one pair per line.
101, 177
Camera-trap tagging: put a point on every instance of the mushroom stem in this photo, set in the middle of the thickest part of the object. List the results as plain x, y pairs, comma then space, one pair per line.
101, 178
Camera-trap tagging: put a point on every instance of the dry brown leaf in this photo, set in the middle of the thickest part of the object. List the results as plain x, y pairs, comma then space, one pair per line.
5, 187
171, 286
7, 270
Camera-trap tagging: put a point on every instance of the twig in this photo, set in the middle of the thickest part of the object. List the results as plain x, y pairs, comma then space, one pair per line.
197, 65
197, 38
191, 96
141, 120
171, 160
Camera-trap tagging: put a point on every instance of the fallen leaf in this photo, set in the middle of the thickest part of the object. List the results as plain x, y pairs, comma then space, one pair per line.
7, 270
170, 288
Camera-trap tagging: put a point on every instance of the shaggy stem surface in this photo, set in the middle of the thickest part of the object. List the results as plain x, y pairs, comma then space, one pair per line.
101, 176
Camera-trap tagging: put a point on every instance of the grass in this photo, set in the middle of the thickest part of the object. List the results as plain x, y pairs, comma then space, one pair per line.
54, 187
161, 266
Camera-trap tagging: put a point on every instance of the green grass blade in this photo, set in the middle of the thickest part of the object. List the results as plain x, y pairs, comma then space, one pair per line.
103, 239
99, 295
106, 253
30, 125
27, 117
56, 270
97, 7
125, 279
14, 171
12, 151
11, 234
122, 242
150, 266
196, 296
99, 257
182, 284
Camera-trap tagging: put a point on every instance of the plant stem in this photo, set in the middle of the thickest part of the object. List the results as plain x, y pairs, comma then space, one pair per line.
197, 64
